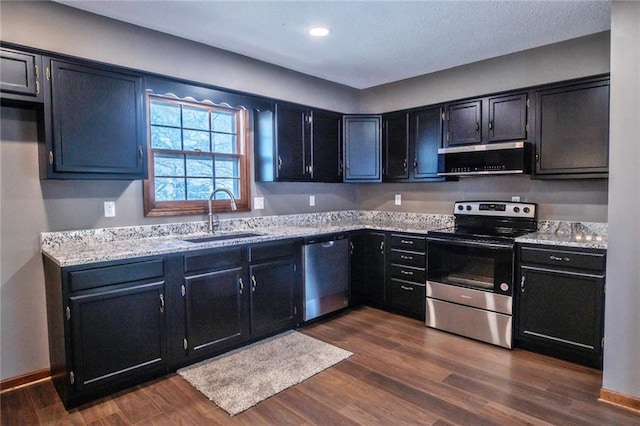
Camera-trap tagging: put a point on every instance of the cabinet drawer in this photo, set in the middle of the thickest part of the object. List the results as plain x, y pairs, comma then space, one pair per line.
264, 252
213, 261
99, 277
408, 296
408, 258
563, 258
408, 242
407, 273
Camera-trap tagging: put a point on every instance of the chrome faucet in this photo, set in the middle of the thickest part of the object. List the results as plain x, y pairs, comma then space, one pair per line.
212, 224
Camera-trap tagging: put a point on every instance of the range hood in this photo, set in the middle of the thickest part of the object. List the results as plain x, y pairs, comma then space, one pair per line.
486, 159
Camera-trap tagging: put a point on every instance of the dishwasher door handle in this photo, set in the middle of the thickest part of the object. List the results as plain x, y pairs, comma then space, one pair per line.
328, 244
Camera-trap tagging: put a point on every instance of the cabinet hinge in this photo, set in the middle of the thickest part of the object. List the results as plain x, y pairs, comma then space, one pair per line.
48, 72
183, 290
68, 312
72, 377
310, 169
184, 344
37, 87
51, 157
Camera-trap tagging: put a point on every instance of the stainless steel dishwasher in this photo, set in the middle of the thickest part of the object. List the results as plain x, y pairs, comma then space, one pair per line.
326, 274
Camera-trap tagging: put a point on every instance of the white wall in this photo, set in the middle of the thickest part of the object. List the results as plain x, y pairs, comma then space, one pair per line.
622, 311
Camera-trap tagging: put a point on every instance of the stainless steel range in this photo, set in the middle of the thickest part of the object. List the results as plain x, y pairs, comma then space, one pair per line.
470, 269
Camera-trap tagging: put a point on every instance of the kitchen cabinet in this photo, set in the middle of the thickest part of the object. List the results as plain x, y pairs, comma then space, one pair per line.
93, 124
560, 302
362, 138
214, 309
368, 255
305, 145
94, 350
275, 287
572, 130
406, 274
395, 140
20, 76
497, 118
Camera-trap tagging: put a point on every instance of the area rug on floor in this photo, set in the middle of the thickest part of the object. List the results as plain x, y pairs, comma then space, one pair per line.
242, 378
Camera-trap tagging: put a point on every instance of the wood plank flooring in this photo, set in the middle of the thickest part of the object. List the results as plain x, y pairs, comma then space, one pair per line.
401, 373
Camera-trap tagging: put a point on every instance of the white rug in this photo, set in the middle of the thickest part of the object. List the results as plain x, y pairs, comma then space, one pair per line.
242, 378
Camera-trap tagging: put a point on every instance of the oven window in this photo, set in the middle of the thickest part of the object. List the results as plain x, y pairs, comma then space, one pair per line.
462, 266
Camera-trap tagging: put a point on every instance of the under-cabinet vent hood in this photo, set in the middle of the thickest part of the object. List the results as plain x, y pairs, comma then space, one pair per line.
487, 159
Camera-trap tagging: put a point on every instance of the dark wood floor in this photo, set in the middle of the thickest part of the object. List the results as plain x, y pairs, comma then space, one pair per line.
400, 373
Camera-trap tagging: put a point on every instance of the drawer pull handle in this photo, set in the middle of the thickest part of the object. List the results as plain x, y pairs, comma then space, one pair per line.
406, 272
559, 259
406, 257
404, 287
406, 242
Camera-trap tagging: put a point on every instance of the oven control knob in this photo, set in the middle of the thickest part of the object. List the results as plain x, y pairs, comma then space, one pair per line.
526, 210
468, 207
460, 207
504, 287
516, 209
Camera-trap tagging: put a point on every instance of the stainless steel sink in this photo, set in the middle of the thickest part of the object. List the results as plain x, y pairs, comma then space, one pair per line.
222, 237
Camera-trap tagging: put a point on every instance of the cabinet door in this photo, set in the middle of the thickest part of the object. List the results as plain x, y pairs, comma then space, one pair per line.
20, 75
395, 140
362, 148
214, 311
326, 146
98, 123
291, 128
572, 129
426, 136
508, 118
117, 333
562, 308
273, 290
464, 123
375, 261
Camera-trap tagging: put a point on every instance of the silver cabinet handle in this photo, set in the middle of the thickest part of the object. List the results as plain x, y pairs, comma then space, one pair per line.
559, 259
404, 287
254, 284
406, 257
406, 242
161, 303
522, 284
241, 283
406, 272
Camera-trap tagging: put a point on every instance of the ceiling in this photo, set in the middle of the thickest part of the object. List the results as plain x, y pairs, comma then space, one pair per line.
371, 42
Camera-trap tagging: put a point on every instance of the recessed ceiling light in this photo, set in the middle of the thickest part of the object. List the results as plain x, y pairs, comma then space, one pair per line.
319, 31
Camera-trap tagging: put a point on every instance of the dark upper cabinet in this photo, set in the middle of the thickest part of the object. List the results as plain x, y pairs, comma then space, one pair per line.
572, 130
94, 123
426, 139
499, 118
20, 76
395, 142
298, 144
507, 118
362, 138
464, 125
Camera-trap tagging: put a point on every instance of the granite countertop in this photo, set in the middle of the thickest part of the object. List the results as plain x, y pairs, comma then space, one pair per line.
72, 248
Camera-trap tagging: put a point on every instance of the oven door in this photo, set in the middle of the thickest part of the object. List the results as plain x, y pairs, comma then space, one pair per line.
478, 265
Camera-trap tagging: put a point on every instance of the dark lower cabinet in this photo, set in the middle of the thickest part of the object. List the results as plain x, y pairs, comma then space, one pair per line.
560, 303
406, 274
367, 268
273, 306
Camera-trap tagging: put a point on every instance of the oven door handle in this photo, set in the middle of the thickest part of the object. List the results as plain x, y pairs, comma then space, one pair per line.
466, 243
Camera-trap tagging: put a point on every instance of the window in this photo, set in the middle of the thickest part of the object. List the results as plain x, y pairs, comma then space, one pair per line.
194, 148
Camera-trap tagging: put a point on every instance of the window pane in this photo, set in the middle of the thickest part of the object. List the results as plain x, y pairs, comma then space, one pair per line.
168, 165
165, 114
195, 118
196, 139
166, 138
230, 184
199, 166
199, 188
170, 189
223, 122
227, 167
224, 143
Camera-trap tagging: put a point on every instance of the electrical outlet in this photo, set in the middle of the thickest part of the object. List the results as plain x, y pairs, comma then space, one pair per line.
515, 199
258, 203
398, 199
312, 200
109, 209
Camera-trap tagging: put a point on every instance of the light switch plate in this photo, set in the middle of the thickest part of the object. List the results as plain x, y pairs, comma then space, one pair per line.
258, 203
312, 200
515, 198
398, 200
109, 209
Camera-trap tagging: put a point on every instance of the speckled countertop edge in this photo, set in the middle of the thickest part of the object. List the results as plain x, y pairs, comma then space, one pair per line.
80, 247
